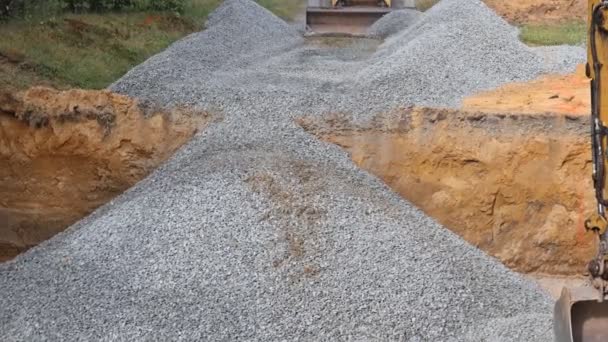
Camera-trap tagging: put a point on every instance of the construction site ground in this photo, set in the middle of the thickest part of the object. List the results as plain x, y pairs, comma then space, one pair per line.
566, 96
540, 11
523, 196
250, 184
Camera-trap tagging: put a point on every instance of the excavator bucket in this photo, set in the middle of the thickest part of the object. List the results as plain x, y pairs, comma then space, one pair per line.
344, 17
580, 317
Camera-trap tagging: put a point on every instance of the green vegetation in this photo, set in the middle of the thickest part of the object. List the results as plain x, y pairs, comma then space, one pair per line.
94, 48
423, 5
88, 51
285, 9
572, 33
25, 9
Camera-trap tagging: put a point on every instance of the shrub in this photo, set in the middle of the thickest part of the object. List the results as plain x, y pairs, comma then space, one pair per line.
97, 5
10, 8
23, 8
117, 5
167, 5
75, 5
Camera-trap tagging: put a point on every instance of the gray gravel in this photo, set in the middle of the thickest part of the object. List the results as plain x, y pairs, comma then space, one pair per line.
561, 58
256, 230
456, 48
393, 22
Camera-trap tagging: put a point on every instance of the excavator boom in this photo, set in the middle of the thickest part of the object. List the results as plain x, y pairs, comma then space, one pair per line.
581, 314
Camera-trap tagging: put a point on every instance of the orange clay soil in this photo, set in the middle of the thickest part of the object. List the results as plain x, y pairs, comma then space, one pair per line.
63, 154
510, 172
539, 11
559, 94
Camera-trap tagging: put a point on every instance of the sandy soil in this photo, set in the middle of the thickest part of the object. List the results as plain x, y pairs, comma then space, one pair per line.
539, 11
560, 94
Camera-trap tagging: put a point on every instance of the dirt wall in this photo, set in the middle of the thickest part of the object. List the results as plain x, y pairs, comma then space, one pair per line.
516, 186
63, 154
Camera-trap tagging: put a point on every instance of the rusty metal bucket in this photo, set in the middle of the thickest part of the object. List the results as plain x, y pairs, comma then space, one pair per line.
580, 317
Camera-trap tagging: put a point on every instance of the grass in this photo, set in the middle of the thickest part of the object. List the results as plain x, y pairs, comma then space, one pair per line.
197, 10
286, 9
423, 5
88, 51
572, 33
93, 50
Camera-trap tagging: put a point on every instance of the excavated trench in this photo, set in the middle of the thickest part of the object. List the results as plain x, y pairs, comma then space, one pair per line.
63, 154
515, 185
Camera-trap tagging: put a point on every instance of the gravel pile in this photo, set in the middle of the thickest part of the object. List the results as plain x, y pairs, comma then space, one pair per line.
393, 22
256, 230
558, 59
456, 48
237, 34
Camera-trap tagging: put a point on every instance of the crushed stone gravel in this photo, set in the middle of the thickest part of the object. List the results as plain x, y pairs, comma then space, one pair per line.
558, 59
455, 48
393, 22
256, 230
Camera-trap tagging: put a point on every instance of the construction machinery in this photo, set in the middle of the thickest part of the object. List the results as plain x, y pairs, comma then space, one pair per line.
347, 17
581, 314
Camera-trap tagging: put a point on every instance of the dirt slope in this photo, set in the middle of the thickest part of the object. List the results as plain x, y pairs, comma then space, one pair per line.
516, 186
63, 154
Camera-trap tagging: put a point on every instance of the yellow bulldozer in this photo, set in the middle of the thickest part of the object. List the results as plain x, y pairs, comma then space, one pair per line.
347, 17
581, 314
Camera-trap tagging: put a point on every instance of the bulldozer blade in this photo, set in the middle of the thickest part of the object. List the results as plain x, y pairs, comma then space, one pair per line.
579, 316
343, 21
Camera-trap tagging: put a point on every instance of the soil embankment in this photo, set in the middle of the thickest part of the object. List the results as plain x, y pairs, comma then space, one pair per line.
64, 153
516, 186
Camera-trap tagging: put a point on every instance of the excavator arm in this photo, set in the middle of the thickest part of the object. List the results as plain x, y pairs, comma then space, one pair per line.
597, 46
581, 314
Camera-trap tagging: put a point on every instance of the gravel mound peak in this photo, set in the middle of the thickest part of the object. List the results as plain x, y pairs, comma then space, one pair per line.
246, 13
256, 230
238, 32
393, 22
456, 48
